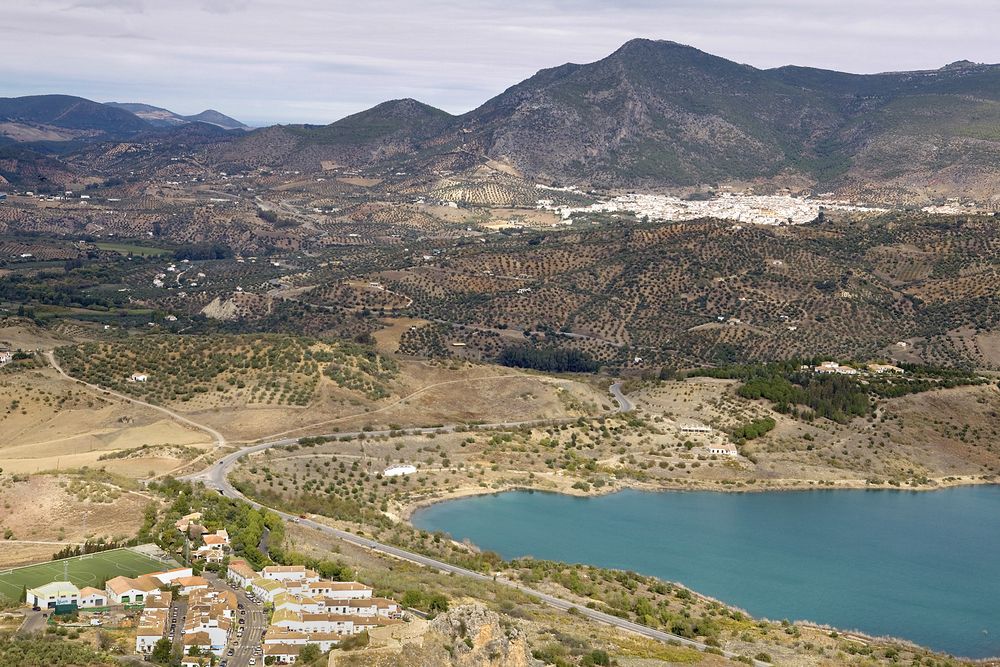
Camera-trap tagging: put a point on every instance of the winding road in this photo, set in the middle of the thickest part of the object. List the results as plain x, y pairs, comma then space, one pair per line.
216, 477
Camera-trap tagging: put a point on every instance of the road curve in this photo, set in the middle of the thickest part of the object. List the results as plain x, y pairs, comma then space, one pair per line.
624, 405
216, 477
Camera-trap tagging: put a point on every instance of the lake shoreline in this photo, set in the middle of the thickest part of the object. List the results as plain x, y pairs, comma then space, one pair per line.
520, 518
407, 510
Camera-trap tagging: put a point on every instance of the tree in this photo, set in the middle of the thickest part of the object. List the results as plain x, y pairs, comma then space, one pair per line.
161, 651
438, 602
309, 653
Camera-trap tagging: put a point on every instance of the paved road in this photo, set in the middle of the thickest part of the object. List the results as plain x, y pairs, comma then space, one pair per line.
254, 623
215, 477
624, 405
34, 622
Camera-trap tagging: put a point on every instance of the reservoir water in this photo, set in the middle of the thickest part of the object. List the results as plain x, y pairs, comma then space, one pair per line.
924, 566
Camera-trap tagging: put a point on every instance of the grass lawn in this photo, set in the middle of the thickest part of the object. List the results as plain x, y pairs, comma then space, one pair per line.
135, 250
88, 570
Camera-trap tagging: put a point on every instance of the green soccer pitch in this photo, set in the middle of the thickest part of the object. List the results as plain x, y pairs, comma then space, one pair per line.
87, 570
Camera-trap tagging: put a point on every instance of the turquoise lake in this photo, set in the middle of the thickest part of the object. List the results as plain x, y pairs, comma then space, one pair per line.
921, 566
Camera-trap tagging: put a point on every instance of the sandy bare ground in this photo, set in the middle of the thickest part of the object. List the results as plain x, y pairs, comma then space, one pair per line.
42, 509
49, 423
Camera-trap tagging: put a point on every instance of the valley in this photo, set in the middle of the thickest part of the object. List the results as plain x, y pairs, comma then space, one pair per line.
270, 352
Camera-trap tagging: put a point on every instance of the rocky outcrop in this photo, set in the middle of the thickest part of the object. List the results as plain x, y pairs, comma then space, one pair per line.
468, 636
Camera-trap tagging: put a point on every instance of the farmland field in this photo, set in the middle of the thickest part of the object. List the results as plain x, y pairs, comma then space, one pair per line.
88, 570
130, 249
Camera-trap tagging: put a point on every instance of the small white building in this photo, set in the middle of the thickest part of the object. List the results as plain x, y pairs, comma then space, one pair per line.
397, 471
92, 597
723, 450
138, 377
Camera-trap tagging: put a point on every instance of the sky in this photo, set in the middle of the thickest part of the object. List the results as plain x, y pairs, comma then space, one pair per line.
314, 61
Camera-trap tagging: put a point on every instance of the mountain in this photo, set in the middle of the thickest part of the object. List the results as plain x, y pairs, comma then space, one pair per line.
657, 113
45, 118
390, 130
160, 117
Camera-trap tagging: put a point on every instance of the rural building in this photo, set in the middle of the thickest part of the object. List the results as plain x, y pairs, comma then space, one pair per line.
6, 356
52, 594
93, 597
138, 377
124, 590
182, 524
151, 628
834, 367
884, 368
396, 471
723, 450
694, 428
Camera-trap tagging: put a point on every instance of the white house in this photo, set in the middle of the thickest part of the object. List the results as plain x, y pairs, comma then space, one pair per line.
151, 628
167, 577
396, 471
138, 377
93, 597
123, 590
723, 450
289, 573
240, 573
189, 584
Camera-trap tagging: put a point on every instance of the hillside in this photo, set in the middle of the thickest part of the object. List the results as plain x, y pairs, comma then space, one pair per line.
656, 113
63, 117
160, 117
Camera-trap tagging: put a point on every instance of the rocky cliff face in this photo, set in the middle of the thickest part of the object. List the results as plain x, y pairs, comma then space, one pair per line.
467, 636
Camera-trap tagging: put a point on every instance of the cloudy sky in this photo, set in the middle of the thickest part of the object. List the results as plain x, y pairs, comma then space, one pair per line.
266, 61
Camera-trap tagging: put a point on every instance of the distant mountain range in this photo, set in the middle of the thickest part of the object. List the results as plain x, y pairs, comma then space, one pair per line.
53, 119
159, 117
651, 114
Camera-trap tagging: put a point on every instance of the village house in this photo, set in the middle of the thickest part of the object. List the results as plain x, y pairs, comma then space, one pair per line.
188, 585
6, 356
124, 590
724, 449
151, 628
694, 428
92, 597
307, 610
240, 573
266, 589
184, 523
289, 573
209, 620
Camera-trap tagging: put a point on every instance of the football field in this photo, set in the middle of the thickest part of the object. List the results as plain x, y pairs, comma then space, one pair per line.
88, 570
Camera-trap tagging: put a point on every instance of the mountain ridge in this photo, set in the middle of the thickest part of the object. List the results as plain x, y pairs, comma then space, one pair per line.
657, 113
